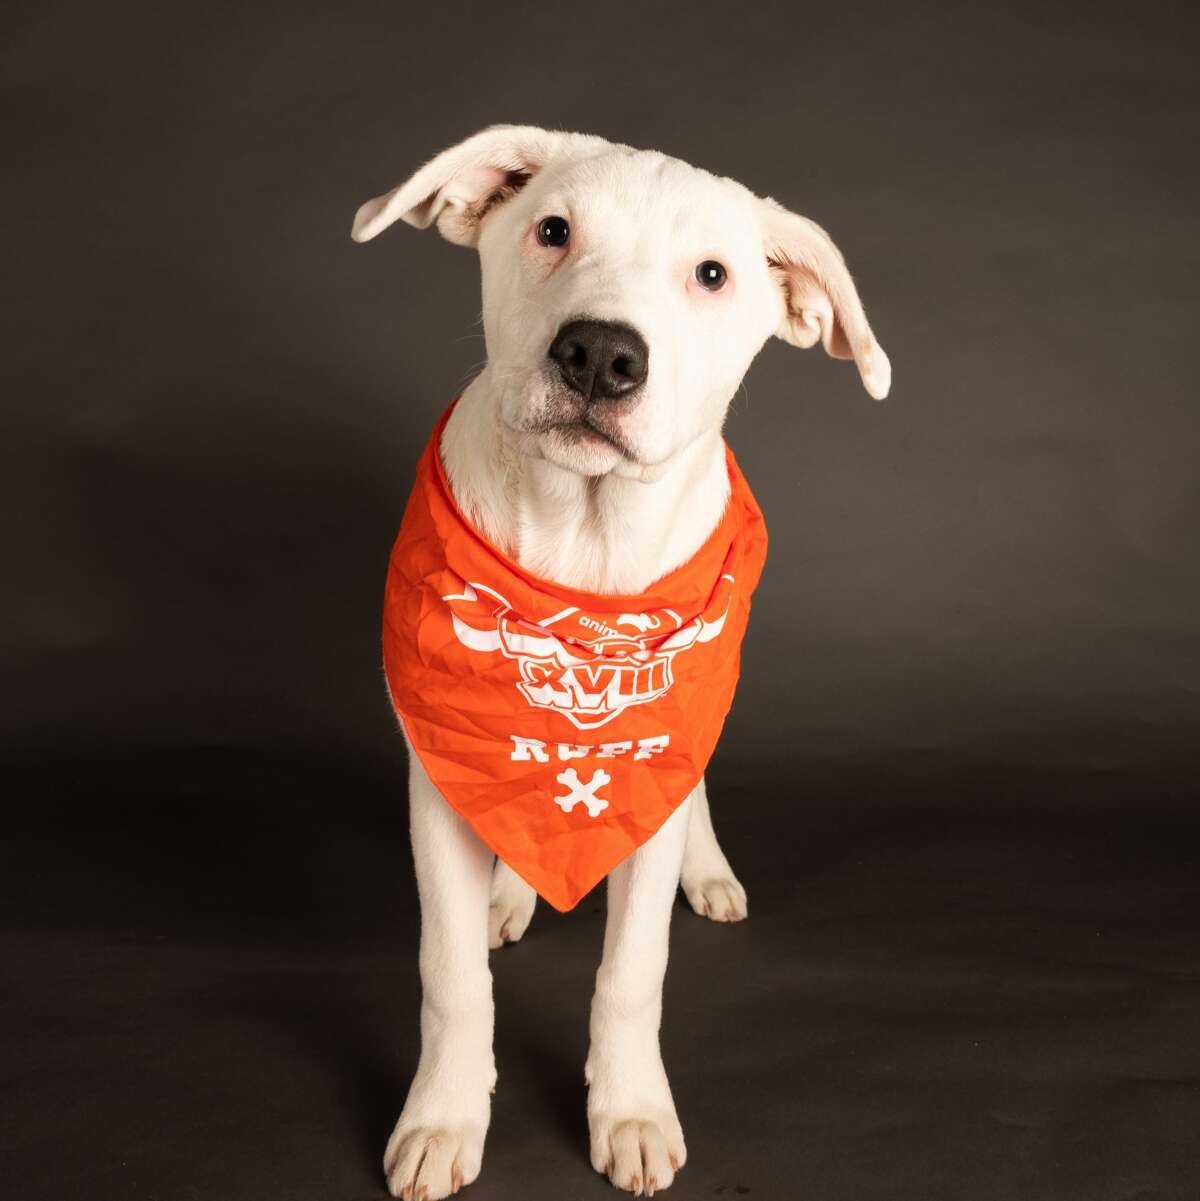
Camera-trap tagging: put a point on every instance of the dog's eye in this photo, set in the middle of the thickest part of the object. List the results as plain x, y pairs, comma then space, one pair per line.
710, 275
553, 231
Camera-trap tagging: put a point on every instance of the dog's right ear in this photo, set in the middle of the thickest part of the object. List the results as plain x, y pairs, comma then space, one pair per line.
459, 186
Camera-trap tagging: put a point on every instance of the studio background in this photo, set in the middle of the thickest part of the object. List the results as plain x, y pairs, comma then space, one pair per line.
959, 779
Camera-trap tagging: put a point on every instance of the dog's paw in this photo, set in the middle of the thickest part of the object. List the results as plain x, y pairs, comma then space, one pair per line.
510, 909
423, 1164
639, 1155
718, 898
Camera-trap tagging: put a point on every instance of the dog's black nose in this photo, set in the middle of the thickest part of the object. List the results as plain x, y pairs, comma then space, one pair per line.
600, 358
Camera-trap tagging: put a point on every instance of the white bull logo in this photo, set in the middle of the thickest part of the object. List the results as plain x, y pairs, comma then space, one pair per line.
589, 681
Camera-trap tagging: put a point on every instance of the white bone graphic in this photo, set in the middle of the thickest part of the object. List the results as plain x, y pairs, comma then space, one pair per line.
581, 793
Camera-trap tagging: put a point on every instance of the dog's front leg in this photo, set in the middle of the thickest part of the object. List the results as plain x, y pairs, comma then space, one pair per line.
636, 1139
437, 1145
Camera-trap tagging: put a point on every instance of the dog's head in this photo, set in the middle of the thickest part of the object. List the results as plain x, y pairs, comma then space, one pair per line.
625, 293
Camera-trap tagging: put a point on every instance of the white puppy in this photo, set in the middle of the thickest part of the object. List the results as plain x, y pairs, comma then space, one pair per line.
676, 278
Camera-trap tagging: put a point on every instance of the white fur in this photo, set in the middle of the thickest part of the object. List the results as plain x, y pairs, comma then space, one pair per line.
609, 513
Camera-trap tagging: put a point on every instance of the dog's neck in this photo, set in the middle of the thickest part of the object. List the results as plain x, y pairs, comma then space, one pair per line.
610, 534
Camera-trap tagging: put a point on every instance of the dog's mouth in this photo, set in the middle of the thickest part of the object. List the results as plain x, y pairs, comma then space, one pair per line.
587, 431
560, 425
584, 428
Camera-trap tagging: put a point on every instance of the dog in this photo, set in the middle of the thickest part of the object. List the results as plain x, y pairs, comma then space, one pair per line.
603, 470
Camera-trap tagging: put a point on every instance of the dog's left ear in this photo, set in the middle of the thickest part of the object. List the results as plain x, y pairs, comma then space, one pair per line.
458, 187
820, 300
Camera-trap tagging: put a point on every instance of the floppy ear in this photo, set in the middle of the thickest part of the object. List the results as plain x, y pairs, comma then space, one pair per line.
461, 184
820, 300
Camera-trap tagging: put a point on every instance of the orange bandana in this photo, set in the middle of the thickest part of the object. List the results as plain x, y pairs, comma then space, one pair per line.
565, 726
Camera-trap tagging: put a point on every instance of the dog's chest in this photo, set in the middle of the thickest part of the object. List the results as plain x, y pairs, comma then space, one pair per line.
587, 555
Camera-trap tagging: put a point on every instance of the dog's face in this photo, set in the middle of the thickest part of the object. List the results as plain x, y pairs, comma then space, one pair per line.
625, 293
653, 274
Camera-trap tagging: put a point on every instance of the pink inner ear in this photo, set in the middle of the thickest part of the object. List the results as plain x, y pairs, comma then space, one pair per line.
460, 192
475, 185
477, 189
810, 307
459, 205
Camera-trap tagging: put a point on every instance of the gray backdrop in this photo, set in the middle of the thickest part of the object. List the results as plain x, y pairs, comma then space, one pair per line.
959, 778
218, 399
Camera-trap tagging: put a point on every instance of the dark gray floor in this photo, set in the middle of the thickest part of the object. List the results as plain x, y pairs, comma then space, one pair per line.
210, 991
